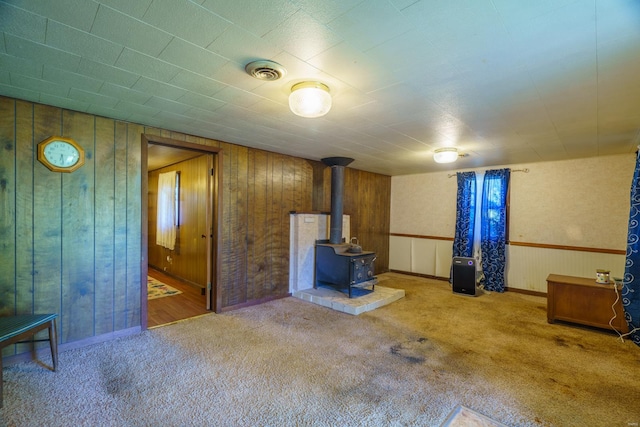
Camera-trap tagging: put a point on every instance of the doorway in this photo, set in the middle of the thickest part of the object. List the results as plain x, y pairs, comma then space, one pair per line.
191, 267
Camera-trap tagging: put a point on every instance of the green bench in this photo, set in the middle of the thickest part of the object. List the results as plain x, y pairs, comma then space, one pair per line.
16, 329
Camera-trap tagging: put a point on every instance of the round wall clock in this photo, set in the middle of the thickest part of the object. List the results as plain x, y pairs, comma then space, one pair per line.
60, 154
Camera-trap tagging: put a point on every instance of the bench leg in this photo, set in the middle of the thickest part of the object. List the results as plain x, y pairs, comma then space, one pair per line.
1, 378
53, 342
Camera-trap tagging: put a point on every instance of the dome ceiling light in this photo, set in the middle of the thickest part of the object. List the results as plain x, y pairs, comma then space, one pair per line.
445, 155
310, 99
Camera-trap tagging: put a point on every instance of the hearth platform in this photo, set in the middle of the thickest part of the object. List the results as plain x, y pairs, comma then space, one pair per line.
339, 301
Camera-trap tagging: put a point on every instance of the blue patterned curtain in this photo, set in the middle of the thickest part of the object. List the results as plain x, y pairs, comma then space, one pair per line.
465, 214
494, 228
631, 284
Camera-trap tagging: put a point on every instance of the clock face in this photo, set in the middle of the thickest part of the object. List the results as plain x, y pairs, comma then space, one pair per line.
61, 154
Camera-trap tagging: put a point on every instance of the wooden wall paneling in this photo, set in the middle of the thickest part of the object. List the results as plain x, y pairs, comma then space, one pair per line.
26, 156
135, 291
288, 204
250, 223
233, 291
305, 193
104, 225
120, 193
260, 262
78, 239
7, 207
47, 221
318, 185
353, 205
240, 222
274, 236
384, 203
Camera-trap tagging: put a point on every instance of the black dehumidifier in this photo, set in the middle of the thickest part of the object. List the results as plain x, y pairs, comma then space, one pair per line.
464, 276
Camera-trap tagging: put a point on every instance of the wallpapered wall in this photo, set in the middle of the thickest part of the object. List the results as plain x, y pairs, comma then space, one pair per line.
582, 203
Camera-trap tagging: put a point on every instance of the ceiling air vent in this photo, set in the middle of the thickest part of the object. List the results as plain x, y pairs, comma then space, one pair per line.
265, 70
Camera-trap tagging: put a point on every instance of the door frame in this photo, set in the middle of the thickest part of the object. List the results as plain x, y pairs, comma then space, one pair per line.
214, 219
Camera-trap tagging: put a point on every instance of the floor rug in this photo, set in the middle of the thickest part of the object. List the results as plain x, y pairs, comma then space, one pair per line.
157, 289
462, 416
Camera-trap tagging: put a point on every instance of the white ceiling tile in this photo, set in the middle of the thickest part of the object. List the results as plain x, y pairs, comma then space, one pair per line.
518, 12
132, 108
100, 110
193, 58
186, 20
13, 91
369, 24
256, 17
92, 98
22, 48
124, 94
25, 67
147, 66
555, 35
38, 85
63, 102
617, 19
241, 46
302, 36
134, 8
70, 79
157, 88
237, 97
76, 13
130, 32
107, 72
86, 45
504, 81
22, 23
326, 10
163, 104
453, 19
200, 101
196, 83
353, 67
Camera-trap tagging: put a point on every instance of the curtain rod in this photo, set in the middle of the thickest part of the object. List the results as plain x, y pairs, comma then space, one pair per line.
525, 170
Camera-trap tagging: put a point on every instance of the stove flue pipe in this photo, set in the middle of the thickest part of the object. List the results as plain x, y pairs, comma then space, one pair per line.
337, 192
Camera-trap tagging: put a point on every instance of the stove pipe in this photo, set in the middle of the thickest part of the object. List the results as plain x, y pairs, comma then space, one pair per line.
337, 191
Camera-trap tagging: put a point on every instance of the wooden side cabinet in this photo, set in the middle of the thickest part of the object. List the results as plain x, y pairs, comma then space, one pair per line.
583, 301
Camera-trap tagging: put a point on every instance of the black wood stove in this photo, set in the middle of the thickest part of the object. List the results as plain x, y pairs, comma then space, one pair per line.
339, 268
341, 265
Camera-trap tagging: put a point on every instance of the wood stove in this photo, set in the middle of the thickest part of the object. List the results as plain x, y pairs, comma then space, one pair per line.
338, 264
339, 268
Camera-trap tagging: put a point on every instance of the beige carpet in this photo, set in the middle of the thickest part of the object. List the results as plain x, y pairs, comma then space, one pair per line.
293, 363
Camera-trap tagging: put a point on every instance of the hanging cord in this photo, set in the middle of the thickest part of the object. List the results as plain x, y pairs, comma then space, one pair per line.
615, 314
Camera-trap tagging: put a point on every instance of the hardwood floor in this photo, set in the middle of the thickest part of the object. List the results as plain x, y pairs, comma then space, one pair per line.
190, 303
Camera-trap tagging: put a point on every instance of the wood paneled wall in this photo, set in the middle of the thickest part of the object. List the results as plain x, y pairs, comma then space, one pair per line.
71, 243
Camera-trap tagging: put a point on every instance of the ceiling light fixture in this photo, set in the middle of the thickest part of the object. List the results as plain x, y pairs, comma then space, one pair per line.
445, 155
310, 99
